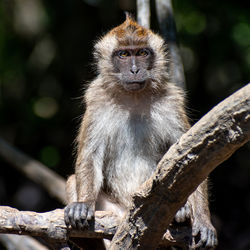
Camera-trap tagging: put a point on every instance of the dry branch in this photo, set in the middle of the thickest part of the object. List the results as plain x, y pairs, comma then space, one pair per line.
188, 162
36, 171
167, 25
51, 226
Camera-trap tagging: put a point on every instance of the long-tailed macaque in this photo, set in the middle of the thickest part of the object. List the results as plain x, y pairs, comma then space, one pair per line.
133, 115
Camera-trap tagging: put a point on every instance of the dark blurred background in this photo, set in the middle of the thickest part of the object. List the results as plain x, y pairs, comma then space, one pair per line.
46, 59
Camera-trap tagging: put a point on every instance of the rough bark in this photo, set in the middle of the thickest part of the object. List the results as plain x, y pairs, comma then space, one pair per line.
36, 171
51, 226
167, 26
188, 162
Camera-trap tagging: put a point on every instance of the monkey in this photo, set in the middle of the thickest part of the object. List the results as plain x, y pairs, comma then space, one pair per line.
133, 115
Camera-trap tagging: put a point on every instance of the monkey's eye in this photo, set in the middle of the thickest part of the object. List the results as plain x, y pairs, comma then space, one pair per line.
142, 52
123, 53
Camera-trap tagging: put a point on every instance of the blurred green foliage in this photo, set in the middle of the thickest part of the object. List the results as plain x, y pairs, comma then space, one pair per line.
46, 61
50, 156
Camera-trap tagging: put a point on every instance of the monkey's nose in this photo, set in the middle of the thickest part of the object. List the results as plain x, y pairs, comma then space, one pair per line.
134, 69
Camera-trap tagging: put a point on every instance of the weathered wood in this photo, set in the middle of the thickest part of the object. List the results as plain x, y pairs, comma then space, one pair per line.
51, 226
167, 26
36, 171
187, 163
143, 13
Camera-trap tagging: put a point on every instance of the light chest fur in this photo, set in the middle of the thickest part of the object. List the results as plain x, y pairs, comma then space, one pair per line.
129, 138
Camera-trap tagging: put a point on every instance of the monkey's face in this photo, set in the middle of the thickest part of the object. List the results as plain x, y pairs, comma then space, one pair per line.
133, 65
132, 57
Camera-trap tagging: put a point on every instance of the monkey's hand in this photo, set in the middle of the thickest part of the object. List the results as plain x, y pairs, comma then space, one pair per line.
205, 233
77, 214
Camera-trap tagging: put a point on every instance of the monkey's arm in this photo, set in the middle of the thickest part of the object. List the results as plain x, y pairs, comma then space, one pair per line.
83, 187
77, 212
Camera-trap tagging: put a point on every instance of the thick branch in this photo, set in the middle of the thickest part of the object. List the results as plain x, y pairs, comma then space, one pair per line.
167, 25
143, 13
34, 170
187, 163
51, 226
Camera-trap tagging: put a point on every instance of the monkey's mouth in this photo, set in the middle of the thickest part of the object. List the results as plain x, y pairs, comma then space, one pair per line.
135, 85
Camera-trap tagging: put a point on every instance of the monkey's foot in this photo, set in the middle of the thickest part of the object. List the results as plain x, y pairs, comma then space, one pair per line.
77, 215
206, 235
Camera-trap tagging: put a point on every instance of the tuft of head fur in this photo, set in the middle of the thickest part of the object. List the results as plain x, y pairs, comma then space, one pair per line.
130, 33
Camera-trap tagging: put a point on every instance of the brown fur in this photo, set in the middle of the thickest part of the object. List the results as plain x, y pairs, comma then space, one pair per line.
130, 31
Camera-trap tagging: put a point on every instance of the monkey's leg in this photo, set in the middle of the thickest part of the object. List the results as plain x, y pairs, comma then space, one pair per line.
201, 221
105, 203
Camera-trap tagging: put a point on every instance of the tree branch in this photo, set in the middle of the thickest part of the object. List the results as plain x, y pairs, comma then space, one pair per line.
167, 25
187, 163
51, 226
36, 171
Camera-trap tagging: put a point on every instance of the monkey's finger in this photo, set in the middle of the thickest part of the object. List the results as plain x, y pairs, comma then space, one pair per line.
198, 244
203, 237
80, 216
90, 214
215, 239
77, 216
209, 242
212, 239
71, 216
66, 217
84, 216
